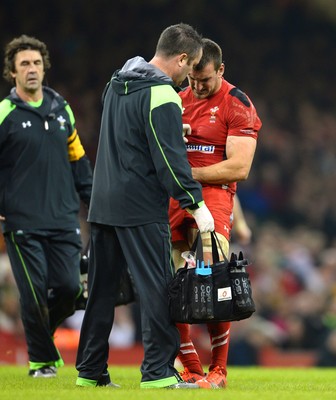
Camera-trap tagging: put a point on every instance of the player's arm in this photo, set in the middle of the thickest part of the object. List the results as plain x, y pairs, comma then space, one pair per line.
240, 152
241, 229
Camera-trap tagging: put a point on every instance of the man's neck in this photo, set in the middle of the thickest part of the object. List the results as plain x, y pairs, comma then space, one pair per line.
162, 65
29, 96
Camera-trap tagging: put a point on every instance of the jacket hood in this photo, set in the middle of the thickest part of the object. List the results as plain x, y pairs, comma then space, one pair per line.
56, 100
138, 74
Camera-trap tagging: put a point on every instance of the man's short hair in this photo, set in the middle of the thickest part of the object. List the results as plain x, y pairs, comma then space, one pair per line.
212, 53
177, 39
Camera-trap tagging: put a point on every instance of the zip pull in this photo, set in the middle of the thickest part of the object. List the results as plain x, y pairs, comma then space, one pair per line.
46, 125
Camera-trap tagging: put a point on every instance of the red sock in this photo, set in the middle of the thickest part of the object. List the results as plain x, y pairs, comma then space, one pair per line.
219, 336
188, 354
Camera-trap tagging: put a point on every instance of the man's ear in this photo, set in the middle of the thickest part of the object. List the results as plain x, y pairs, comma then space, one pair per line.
221, 70
182, 59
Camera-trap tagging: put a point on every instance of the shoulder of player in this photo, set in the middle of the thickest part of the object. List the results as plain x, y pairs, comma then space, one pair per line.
236, 95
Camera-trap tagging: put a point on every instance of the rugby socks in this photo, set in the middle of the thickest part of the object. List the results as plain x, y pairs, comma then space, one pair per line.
219, 336
188, 354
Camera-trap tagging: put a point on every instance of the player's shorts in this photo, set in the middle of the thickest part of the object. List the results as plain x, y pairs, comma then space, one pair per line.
220, 203
184, 228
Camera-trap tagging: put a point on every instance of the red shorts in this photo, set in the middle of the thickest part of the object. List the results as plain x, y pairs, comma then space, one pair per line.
220, 203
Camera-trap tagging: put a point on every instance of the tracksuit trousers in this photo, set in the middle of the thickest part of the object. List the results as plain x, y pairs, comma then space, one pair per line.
45, 265
146, 250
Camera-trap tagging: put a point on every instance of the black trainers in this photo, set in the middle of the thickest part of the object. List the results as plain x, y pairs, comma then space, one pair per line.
182, 385
44, 372
105, 380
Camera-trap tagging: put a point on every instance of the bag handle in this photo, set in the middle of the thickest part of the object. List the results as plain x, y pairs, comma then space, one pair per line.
197, 247
215, 245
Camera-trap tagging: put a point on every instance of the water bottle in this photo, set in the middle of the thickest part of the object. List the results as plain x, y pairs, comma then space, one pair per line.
202, 300
189, 257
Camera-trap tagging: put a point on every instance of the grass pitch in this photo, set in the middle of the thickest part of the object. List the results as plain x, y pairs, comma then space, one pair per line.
253, 383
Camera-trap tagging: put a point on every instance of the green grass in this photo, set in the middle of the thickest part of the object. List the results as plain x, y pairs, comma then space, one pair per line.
244, 383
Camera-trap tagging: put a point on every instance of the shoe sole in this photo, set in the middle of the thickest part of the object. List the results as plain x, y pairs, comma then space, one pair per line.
184, 385
207, 385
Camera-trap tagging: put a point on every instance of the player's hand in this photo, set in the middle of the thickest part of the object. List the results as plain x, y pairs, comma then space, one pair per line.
2, 218
186, 131
204, 219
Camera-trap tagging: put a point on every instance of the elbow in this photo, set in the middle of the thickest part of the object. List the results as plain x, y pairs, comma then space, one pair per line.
243, 174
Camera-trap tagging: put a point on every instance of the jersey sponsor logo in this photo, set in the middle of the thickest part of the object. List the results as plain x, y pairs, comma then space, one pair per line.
213, 114
201, 148
26, 124
62, 122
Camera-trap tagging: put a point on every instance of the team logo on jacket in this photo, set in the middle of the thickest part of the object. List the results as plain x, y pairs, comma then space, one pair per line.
201, 148
213, 114
62, 122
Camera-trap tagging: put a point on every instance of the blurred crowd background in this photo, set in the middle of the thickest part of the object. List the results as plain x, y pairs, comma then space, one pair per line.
282, 53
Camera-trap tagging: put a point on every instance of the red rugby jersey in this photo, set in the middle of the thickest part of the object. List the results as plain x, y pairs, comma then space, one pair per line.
227, 112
